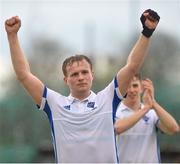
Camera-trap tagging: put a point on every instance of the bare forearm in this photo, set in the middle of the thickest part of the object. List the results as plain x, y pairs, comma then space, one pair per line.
19, 61
134, 62
168, 123
149, 20
128, 122
138, 53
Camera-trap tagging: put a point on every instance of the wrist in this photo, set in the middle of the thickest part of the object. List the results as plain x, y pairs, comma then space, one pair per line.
12, 36
146, 108
154, 103
147, 32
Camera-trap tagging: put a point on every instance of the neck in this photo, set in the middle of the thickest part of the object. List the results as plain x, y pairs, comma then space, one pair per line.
81, 96
134, 105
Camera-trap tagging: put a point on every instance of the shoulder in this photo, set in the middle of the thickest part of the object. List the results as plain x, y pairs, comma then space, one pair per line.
122, 110
111, 91
52, 95
122, 107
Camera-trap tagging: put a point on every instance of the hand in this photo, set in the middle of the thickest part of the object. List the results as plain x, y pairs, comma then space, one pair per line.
147, 100
148, 84
12, 25
149, 20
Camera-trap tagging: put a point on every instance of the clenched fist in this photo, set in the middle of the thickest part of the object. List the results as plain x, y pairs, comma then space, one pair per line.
149, 20
12, 25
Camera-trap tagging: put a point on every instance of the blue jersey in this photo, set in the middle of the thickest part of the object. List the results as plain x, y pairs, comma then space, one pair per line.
83, 131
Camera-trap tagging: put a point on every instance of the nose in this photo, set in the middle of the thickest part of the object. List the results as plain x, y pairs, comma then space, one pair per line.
131, 89
80, 77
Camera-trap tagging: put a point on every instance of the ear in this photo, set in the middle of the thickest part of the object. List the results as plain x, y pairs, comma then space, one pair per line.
92, 74
65, 80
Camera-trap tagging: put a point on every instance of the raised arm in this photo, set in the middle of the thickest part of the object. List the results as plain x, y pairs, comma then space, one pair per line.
136, 57
32, 84
167, 123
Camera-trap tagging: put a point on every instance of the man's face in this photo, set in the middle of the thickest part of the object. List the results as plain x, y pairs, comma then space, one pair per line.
79, 77
134, 90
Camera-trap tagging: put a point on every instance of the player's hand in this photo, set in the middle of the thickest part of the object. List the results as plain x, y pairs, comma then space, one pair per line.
12, 25
147, 100
148, 84
149, 20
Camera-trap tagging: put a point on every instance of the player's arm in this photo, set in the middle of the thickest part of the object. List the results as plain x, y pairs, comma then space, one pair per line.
32, 84
167, 123
123, 124
136, 57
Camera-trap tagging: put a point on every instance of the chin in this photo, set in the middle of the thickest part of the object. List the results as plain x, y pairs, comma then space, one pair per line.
83, 89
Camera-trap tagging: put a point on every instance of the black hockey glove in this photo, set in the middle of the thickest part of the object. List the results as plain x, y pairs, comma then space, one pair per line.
152, 15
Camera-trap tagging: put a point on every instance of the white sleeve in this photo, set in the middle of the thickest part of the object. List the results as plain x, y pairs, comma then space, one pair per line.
156, 119
119, 113
49, 97
43, 99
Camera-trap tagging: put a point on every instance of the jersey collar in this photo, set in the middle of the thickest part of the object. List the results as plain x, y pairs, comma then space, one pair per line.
87, 99
124, 107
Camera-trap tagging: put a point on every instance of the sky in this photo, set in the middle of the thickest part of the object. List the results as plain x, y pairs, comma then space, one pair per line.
73, 21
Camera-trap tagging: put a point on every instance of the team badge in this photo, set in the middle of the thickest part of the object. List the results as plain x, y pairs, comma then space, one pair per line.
90, 104
67, 107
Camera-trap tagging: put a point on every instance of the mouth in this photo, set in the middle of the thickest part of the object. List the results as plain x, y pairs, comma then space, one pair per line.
82, 84
132, 95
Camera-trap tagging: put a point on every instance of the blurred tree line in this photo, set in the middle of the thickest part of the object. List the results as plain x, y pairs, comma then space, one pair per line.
24, 129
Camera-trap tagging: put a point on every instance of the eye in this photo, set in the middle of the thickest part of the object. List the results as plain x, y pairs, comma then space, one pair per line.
135, 85
85, 72
74, 74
